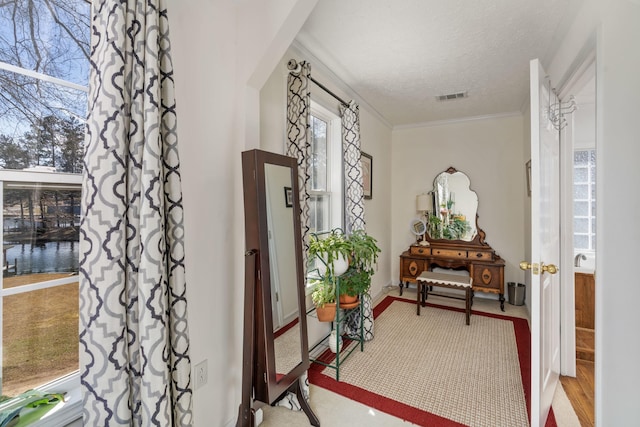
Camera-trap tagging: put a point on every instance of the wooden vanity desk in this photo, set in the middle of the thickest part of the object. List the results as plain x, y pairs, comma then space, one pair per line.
485, 267
451, 236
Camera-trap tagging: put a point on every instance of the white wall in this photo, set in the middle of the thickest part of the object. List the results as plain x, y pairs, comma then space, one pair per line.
490, 152
615, 24
220, 48
207, 152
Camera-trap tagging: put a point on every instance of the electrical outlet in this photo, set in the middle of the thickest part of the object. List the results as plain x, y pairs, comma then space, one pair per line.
201, 374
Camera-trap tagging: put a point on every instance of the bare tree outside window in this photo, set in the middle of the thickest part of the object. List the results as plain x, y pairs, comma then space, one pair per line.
44, 71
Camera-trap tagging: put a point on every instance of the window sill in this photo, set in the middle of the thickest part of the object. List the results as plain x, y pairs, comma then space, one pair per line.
66, 412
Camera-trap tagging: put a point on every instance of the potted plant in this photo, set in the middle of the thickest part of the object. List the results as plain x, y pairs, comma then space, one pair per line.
352, 284
324, 298
363, 257
459, 227
332, 250
351, 258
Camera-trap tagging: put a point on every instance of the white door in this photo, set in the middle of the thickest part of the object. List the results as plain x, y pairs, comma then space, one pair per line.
545, 247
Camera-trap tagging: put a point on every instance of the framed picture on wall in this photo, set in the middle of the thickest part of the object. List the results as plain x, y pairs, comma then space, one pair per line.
367, 175
288, 197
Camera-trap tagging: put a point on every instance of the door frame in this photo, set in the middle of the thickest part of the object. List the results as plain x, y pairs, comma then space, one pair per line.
582, 69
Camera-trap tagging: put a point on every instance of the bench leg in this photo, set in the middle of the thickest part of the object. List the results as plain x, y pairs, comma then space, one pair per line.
418, 297
468, 304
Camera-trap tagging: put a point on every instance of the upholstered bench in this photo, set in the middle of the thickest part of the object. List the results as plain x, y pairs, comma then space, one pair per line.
444, 280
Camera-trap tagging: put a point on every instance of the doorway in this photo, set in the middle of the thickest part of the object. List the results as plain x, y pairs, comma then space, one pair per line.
579, 290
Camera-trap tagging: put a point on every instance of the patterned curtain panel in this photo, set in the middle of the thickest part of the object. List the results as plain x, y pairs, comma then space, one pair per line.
354, 205
298, 141
299, 146
353, 188
134, 343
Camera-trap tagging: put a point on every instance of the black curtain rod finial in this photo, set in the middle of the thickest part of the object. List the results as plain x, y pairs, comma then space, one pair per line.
293, 65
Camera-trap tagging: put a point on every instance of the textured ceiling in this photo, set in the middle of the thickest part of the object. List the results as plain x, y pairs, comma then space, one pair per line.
398, 55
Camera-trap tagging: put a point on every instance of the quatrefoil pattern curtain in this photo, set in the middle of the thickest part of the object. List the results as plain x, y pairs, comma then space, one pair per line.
299, 141
354, 206
134, 337
353, 186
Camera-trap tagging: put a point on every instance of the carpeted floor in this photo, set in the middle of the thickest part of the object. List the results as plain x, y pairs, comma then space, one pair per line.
335, 410
467, 374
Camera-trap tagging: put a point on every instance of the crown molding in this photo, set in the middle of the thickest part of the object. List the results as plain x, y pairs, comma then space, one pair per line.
457, 121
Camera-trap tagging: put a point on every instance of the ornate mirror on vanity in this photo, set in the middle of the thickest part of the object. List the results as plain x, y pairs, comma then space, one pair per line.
455, 208
453, 238
275, 349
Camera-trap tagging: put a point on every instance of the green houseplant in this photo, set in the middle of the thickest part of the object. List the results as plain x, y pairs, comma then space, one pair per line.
363, 257
458, 226
324, 297
352, 284
332, 250
358, 249
328, 256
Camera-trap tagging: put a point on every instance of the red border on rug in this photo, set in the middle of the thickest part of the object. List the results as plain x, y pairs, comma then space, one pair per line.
418, 416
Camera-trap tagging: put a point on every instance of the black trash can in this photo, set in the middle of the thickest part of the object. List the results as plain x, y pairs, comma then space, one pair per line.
516, 293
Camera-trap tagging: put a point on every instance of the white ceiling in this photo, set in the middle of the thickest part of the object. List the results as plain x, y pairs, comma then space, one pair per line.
398, 55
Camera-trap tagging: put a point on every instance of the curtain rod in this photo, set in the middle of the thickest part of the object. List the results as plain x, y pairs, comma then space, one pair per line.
293, 65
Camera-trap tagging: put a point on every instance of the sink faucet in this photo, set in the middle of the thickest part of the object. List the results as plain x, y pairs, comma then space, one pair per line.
576, 260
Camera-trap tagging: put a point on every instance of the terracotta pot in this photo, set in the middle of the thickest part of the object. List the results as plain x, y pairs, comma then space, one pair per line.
326, 313
348, 299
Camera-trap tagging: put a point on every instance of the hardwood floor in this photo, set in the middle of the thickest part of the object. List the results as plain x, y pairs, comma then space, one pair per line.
580, 391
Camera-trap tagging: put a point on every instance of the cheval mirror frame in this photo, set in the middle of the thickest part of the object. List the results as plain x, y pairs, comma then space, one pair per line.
260, 381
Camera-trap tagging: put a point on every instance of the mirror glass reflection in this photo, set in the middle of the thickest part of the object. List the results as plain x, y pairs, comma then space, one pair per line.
284, 286
454, 208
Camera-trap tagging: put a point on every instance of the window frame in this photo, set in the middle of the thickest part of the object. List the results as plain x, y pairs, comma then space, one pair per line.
335, 172
335, 166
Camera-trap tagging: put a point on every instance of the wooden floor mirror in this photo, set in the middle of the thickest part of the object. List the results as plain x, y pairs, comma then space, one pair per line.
273, 361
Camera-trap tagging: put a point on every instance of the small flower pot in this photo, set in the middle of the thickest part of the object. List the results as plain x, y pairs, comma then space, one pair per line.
348, 299
327, 312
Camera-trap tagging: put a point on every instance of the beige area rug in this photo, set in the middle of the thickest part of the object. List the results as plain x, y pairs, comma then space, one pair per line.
433, 369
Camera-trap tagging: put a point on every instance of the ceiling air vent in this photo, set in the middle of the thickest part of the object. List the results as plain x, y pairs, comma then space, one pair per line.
452, 96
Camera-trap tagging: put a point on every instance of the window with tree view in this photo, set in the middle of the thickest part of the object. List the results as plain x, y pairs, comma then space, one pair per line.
44, 71
325, 183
